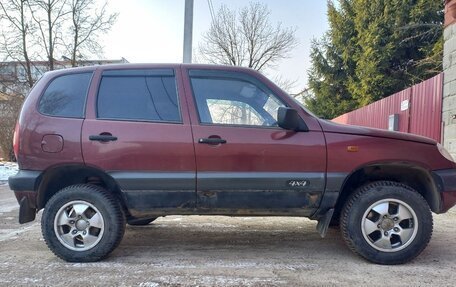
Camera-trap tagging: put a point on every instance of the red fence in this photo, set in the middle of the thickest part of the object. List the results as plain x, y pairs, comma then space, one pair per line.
419, 110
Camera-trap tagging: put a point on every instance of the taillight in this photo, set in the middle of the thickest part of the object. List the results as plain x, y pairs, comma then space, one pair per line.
16, 140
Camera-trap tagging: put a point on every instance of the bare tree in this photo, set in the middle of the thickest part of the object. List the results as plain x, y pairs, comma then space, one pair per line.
50, 15
16, 29
87, 24
9, 109
246, 38
285, 84
30, 28
15, 32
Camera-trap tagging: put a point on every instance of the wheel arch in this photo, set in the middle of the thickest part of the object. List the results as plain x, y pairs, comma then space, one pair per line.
58, 177
417, 177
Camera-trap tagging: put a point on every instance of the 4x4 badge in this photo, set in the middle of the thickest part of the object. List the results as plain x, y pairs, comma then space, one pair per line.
298, 183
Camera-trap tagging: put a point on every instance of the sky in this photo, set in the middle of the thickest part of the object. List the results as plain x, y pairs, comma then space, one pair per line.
151, 31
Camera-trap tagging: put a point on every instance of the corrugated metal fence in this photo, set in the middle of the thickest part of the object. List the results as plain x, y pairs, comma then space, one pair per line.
418, 110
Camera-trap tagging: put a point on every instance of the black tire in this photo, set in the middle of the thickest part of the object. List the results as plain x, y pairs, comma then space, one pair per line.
335, 222
386, 222
140, 221
72, 227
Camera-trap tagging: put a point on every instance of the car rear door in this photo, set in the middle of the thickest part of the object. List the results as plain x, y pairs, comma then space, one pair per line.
246, 164
138, 131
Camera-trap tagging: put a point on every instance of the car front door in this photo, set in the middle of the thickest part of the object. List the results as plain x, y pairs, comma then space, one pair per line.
246, 164
139, 133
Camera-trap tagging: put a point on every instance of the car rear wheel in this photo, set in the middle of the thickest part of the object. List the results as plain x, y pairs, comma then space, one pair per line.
386, 222
82, 223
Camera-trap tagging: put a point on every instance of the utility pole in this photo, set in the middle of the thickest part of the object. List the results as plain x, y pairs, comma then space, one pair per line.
188, 31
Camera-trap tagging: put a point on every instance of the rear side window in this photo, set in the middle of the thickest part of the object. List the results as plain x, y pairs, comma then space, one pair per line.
66, 96
142, 96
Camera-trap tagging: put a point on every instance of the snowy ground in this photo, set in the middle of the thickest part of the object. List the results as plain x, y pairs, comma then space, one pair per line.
7, 169
187, 251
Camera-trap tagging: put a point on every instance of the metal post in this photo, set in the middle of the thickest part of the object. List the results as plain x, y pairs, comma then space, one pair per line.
188, 31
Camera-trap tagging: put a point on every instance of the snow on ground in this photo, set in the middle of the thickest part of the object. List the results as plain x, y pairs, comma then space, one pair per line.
7, 169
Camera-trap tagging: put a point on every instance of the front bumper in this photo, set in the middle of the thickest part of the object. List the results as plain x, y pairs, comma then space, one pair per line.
25, 186
445, 181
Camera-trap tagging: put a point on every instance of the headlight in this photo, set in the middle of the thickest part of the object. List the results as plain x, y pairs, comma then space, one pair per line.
444, 152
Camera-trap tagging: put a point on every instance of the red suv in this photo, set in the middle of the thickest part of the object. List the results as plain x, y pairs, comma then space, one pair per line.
99, 147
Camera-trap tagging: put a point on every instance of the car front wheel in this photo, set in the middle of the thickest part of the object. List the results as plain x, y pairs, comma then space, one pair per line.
386, 222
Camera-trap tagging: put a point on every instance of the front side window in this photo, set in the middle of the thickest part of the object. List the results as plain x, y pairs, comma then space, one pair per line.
234, 102
233, 113
65, 96
138, 97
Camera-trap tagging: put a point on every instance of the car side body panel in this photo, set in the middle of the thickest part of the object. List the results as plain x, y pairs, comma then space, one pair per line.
162, 168
37, 131
152, 162
259, 170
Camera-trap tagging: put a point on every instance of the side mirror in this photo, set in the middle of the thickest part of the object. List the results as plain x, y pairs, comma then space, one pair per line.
288, 118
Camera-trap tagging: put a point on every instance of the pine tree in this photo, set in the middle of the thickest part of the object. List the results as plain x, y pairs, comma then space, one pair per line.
373, 49
332, 64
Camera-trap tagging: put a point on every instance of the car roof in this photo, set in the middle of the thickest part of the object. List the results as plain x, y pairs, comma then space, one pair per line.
146, 66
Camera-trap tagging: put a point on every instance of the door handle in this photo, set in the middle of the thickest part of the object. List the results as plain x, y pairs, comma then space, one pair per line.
212, 141
103, 137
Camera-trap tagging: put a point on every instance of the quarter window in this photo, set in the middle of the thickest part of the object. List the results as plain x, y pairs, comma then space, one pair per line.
66, 96
138, 97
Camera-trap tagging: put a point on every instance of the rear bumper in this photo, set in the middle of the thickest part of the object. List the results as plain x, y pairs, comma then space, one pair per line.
25, 185
445, 181
25, 180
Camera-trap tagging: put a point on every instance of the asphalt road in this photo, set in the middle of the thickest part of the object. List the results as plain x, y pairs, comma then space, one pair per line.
219, 251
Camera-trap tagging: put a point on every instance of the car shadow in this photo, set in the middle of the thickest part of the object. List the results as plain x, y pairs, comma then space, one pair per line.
225, 237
